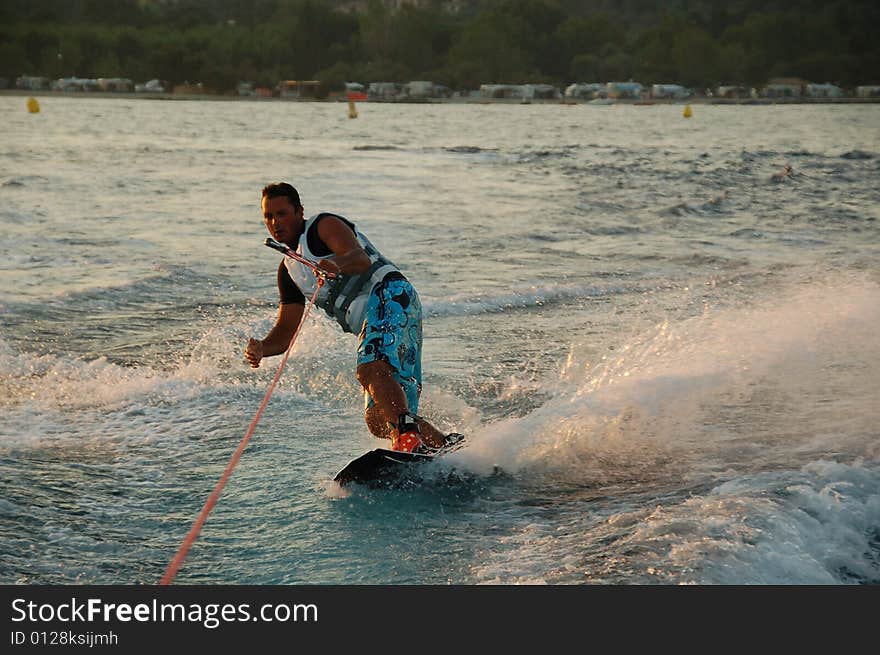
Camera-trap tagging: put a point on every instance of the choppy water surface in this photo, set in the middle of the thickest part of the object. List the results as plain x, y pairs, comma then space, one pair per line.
667, 347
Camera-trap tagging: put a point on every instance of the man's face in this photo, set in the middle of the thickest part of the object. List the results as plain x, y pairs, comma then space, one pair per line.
283, 220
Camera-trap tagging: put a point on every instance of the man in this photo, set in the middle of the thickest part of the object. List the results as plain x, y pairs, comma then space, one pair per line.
370, 297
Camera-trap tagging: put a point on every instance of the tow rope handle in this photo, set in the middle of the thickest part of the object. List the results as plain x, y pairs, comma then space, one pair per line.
286, 250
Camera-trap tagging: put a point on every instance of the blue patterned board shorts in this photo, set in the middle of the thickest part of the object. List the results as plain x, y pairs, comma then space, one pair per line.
392, 332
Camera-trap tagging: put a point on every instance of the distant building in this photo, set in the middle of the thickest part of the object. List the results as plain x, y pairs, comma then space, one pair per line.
784, 88
540, 92
384, 90
781, 91
520, 91
499, 91
419, 89
734, 91
675, 91
355, 91
75, 84
868, 91
246, 89
117, 84
300, 89
624, 90
584, 91
30, 83
425, 89
823, 91
153, 86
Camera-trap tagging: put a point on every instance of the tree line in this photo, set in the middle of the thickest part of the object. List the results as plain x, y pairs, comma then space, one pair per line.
696, 43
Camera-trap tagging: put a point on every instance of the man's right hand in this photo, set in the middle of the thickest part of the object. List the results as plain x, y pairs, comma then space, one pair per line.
254, 352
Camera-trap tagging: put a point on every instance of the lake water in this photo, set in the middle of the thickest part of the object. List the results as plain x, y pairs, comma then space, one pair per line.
667, 346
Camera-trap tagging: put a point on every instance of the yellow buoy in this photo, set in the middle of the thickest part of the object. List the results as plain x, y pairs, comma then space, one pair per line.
352, 110
33, 106
687, 111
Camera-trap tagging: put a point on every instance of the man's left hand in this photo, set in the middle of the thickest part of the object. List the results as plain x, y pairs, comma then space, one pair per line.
328, 266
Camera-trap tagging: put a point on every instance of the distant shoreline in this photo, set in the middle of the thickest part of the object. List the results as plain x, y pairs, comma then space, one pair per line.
700, 100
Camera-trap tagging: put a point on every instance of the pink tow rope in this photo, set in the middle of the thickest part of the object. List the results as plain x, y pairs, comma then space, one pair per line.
190, 538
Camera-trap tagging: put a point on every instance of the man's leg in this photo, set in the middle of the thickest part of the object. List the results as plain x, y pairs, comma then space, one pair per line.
377, 378
389, 360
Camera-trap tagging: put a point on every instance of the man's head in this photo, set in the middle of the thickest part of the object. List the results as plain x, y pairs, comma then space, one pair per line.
279, 189
283, 212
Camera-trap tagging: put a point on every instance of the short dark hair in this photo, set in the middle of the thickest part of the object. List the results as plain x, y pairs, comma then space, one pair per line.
279, 189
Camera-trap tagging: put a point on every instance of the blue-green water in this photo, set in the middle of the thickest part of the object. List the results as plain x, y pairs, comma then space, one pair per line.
668, 348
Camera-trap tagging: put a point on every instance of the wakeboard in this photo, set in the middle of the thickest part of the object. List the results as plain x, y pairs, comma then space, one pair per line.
390, 468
